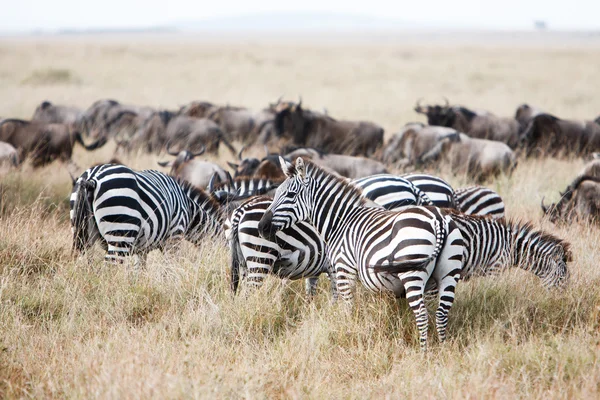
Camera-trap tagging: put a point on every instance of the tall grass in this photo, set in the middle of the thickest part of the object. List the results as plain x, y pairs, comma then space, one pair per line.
78, 328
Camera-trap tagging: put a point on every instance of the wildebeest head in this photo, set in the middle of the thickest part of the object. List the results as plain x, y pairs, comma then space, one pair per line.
436, 114
182, 157
267, 167
289, 119
565, 208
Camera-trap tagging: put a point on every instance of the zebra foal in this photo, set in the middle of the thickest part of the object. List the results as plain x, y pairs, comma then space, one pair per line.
133, 212
398, 252
493, 245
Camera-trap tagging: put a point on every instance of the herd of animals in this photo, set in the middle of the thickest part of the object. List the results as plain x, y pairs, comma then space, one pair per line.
324, 203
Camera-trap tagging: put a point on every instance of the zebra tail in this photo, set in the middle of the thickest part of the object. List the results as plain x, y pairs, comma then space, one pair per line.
418, 265
82, 210
237, 259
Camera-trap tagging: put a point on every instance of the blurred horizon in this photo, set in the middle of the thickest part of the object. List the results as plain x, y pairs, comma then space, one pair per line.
72, 16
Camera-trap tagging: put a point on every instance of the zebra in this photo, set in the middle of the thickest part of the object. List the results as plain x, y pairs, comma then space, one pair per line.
241, 187
391, 192
135, 212
479, 200
294, 253
494, 245
391, 251
396, 192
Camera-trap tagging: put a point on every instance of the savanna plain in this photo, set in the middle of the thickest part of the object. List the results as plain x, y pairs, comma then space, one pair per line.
76, 328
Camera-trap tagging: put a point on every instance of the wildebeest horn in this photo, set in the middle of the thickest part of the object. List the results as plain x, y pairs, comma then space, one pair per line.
418, 105
544, 208
299, 101
267, 150
169, 149
240, 153
200, 152
213, 180
447, 103
163, 163
232, 165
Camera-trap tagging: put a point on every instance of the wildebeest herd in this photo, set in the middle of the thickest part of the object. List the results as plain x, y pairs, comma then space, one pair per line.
324, 201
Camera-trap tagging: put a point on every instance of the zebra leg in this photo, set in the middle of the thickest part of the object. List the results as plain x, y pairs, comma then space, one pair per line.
446, 275
310, 285
259, 266
414, 285
345, 280
116, 252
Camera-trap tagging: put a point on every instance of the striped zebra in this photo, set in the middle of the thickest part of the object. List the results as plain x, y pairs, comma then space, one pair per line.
479, 200
294, 253
493, 245
391, 192
396, 192
134, 212
242, 187
392, 251
437, 189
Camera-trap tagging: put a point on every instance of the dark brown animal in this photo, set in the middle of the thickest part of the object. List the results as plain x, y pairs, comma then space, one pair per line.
580, 201
477, 124
57, 114
546, 134
316, 130
109, 118
42, 142
268, 167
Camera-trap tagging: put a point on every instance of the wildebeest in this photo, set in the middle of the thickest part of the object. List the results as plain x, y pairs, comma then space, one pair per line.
477, 124
415, 139
348, 166
196, 172
581, 201
312, 129
477, 158
57, 114
8, 155
107, 118
547, 134
268, 167
43, 142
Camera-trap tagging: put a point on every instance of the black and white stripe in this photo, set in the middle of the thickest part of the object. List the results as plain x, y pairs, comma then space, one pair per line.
243, 187
479, 200
390, 251
437, 189
494, 245
294, 253
134, 212
392, 192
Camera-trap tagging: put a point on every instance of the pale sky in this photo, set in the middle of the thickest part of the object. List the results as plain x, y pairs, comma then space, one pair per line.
26, 15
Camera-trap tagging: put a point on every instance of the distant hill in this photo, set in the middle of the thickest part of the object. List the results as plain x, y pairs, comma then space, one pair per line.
293, 22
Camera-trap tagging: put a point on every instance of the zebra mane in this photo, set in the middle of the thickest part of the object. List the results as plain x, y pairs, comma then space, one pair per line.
517, 226
205, 200
318, 173
237, 181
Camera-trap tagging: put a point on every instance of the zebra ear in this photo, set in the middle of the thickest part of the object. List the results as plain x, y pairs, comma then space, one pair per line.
286, 167
300, 168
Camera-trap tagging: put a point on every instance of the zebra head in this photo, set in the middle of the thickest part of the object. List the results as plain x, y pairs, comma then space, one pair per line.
555, 272
290, 204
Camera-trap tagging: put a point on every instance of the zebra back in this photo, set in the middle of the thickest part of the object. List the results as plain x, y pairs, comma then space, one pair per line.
479, 200
495, 245
391, 192
243, 187
437, 189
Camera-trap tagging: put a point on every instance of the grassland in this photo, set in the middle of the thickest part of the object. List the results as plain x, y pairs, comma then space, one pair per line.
78, 329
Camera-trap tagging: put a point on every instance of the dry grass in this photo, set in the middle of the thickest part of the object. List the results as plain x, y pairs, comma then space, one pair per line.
75, 328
